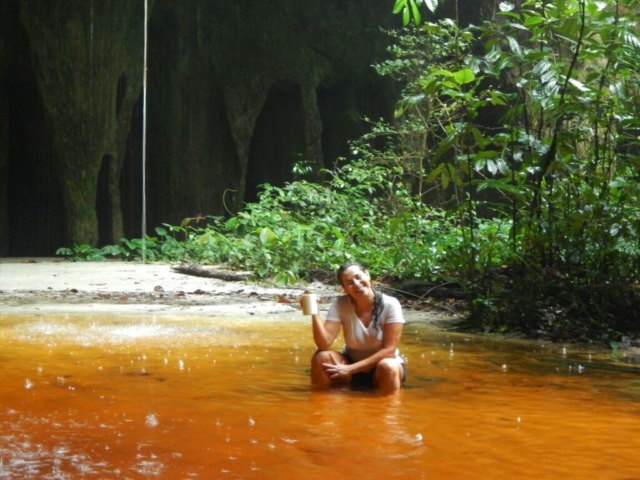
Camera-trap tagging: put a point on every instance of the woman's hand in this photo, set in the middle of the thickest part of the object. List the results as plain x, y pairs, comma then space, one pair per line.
337, 370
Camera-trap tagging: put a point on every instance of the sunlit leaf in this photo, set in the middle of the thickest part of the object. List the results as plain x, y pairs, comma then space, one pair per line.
614, 230
497, 98
204, 238
514, 45
632, 39
417, 19
533, 20
464, 76
579, 85
431, 5
506, 6
400, 4
444, 179
267, 236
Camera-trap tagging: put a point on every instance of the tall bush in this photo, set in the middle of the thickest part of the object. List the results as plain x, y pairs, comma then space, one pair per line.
532, 119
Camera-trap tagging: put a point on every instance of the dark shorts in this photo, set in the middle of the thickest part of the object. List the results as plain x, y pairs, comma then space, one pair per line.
364, 380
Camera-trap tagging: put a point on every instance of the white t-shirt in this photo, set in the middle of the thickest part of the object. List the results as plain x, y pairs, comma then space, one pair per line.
360, 341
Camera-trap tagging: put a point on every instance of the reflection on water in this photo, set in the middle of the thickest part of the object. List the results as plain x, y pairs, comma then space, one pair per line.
110, 397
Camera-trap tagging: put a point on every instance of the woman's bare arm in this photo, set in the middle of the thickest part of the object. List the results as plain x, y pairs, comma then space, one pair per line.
324, 333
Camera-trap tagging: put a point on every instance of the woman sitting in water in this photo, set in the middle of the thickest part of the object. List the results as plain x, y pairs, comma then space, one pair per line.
372, 326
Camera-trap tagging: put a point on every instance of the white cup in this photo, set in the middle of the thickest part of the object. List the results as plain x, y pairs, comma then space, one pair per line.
309, 303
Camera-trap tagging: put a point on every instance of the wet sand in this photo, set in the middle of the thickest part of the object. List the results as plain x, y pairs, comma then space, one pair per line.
46, 285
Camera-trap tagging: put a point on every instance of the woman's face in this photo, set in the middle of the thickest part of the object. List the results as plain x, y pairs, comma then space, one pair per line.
356, 282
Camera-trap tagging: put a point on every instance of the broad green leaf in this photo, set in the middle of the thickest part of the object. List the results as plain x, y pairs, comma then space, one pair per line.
444, 179
479, 163
399, 111
453, 173
518, 26
431, 5
542, 67
632, 39
435, 172
267, 236
497, 98
514, 45
579, 85
205, 238
487, 154
548, 77
464, 76
417, 19
509, 14
534, 20
405, 16
400, 4
446, 73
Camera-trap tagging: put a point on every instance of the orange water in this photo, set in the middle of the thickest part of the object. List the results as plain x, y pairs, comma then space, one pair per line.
112, 397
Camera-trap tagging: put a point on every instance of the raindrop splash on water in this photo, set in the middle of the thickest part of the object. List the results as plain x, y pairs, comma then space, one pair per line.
151, 421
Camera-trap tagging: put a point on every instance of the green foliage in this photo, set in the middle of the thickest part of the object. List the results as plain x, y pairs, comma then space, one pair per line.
511, 168
87, 253
306, 226
531, 119
409, 9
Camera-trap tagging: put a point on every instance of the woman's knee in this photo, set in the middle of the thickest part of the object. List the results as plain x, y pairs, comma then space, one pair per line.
389, 369
320, 357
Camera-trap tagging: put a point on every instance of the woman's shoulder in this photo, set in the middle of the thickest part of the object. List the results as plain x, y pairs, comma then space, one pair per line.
340, 302
389, 300
341, 299
392, 309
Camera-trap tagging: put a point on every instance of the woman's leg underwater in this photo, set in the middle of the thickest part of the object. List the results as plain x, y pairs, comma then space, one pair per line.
389, 375
319, 377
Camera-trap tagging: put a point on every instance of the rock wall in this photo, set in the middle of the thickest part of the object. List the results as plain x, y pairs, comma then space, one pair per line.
237, 92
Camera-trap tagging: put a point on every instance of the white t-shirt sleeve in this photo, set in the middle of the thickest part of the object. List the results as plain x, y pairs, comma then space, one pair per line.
393, 310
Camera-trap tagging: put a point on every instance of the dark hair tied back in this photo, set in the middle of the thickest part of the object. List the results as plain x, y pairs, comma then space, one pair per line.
345, 266
377, 307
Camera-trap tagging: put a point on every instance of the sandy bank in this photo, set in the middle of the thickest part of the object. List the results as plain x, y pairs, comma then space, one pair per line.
50, 286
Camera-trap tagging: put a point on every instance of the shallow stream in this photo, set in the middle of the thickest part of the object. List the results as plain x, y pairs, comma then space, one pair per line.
179, 398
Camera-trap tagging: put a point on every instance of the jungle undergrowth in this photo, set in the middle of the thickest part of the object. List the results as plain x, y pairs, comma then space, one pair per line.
510, 170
